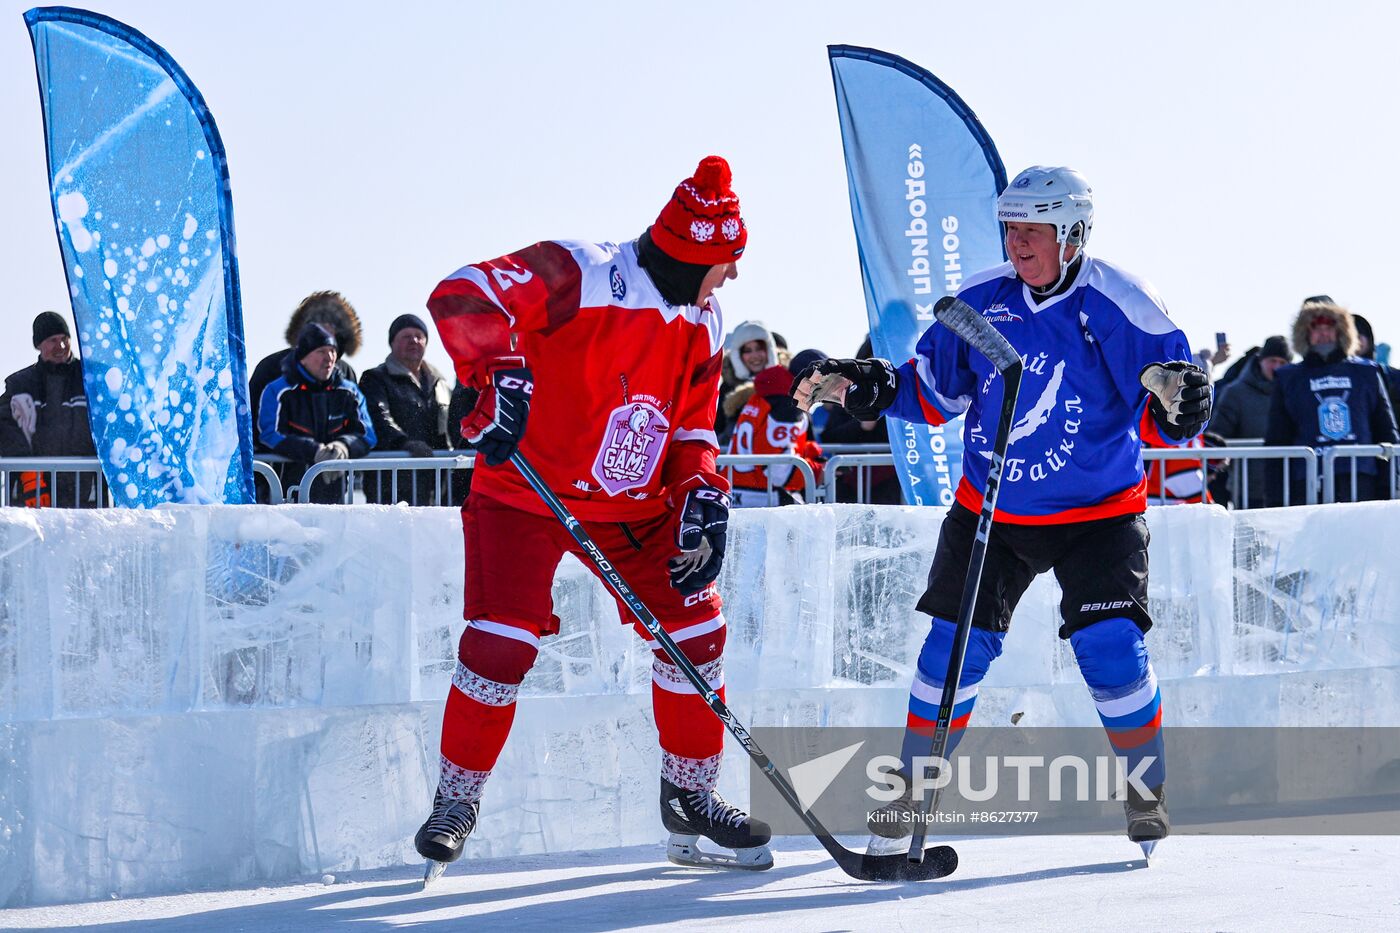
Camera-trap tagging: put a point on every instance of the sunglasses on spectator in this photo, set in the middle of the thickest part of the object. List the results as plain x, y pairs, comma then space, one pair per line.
1322, 321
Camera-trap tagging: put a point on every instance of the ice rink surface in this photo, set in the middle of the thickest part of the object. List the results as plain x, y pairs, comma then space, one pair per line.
1036, 883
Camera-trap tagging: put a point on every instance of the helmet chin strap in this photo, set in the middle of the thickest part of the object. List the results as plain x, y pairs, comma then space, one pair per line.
1065, 262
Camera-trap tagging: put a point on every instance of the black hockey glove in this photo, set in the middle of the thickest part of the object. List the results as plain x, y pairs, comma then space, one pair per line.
700, 534
1180, 397
870, 386
496, 425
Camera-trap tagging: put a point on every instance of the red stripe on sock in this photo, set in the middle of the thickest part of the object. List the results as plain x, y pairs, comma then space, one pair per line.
1135, 738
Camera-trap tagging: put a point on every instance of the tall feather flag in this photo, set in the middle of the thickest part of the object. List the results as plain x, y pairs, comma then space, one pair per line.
924, 177
140, 192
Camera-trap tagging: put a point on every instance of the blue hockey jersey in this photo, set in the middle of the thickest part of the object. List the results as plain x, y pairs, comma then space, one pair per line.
1076, 449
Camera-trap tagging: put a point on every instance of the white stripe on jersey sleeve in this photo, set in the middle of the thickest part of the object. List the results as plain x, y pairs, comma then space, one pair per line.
952, 406
697, 434
478, 278
1135, 297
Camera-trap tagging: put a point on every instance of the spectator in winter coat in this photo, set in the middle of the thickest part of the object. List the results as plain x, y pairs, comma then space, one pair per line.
1242, 409
44, 413
749, 349
1366, 349
311, 413
338, 315
1331, 398
408, 402
771, 423
328, 308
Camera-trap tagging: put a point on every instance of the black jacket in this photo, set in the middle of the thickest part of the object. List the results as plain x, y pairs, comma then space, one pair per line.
60, 401
61, 429
1242, 410
402, 410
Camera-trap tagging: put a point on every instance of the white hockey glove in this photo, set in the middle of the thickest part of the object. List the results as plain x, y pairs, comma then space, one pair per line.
26, 415
865, 387
1180, 397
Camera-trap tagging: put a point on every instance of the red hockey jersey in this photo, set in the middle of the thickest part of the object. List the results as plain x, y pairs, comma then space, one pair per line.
626, 386
758, 431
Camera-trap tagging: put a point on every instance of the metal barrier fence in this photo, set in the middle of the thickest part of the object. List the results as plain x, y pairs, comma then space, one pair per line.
1239, 477
82, 475
442, 464
862, 463
89, 483
1389, 453
1237, 455
88, 486
446, 461
729, 463
275, 495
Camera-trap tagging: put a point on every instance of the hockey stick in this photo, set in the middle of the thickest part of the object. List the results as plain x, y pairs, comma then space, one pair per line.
965, 321
935, 863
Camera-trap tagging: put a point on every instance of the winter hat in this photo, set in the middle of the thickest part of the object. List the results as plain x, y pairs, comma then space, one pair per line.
314, 337
1363, 329
701, 222
407, 320
1276, 346
333, 310
49, 324
745, 332
775, 380
805, 358
1319, 306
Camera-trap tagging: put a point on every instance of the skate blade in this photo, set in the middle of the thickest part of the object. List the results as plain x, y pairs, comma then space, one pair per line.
884, 845
685, 851
1148, 848
432, 872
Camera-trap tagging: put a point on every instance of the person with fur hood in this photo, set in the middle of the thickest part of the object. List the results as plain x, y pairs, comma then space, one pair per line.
330, 309
1332, 397
748, 350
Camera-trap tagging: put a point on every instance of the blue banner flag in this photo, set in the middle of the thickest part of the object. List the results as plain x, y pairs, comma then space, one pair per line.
140, 193
924, 177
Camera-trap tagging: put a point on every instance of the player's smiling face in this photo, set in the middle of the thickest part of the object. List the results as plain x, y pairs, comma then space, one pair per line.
1034, 252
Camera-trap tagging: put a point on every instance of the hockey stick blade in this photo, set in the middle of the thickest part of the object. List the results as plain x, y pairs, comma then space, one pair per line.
965, 321
937, 862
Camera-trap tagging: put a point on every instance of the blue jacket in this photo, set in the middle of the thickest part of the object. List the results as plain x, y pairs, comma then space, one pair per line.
297, 414
1076, 450
1331, 400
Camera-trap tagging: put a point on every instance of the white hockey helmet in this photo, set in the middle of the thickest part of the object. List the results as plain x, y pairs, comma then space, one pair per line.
1050, 195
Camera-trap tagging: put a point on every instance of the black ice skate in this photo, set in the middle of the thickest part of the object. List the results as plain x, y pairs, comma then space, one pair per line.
441, 838
1147, 819
895, 820
690, 814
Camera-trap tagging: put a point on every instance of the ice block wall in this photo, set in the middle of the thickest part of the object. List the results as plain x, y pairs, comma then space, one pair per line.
215, 696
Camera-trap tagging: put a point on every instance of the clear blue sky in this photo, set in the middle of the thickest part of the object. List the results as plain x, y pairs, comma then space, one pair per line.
1240, 152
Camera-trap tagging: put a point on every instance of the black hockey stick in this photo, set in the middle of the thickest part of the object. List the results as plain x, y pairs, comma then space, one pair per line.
964, 321
935, 863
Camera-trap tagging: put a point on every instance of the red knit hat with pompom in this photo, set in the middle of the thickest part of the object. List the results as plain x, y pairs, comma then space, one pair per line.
701, 222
